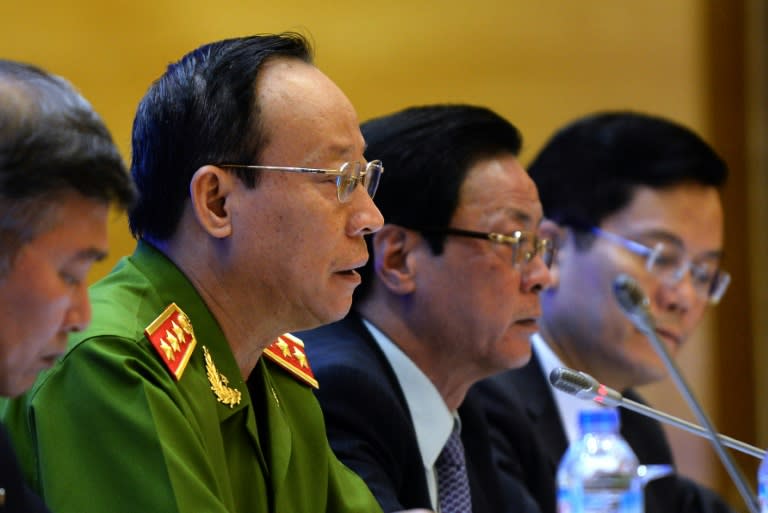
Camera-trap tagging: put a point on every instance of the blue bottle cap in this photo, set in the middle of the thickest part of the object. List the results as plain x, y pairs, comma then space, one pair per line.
604, 420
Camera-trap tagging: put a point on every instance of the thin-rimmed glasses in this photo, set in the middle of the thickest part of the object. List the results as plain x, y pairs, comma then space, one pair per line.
348, 175
670, 265
525, 245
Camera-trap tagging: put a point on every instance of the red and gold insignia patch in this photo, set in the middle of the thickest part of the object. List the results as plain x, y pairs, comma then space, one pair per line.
172, 336
288, 352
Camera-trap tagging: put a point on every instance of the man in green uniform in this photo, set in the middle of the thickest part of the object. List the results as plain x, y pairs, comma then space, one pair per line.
184, 395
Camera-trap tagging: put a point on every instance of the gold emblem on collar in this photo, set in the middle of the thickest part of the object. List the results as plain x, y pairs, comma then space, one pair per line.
224, 394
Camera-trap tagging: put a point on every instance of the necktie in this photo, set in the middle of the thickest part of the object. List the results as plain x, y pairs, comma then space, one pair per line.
452, 481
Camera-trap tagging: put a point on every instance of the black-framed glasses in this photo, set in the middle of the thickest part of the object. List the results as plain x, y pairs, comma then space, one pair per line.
348, 175
525, 245
670, 265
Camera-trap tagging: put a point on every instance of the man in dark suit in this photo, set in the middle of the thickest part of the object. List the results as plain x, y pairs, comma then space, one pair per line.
449, 296
59, 174
625, 193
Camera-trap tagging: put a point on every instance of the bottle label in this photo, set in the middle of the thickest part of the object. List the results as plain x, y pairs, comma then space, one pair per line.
576, 500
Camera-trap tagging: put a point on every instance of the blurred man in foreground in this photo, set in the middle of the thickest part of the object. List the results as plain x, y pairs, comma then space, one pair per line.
59, 174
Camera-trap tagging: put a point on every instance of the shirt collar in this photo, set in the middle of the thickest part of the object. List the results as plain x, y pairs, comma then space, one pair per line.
432, 419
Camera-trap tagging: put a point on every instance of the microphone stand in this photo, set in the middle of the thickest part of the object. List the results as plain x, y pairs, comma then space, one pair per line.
640, 316
584, 386
690, 427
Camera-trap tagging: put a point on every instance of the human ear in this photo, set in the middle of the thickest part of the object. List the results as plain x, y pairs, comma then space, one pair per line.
209, 190
392, 250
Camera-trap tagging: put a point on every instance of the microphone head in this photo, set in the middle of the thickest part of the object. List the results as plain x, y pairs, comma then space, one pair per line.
629, 294
573, 382
584, 386
633, 301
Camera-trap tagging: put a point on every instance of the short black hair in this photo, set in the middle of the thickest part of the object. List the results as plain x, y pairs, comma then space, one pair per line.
591, 168
427, 152
52, 143
202, 110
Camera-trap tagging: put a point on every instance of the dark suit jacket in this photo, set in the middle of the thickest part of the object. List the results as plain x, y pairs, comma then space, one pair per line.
521, 401
371, 430
17, 498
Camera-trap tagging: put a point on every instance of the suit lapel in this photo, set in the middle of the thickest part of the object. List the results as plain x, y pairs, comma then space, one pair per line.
354, 323
644, 435
541, 408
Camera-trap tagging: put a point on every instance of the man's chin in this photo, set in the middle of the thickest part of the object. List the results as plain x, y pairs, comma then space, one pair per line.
338, 315
328, 314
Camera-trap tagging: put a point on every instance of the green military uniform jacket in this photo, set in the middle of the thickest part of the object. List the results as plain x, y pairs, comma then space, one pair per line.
109, 429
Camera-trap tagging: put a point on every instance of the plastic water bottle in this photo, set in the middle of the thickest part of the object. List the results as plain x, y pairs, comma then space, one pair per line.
598, 473
762, 485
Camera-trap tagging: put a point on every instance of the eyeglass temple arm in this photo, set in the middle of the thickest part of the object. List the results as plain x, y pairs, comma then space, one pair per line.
287, 169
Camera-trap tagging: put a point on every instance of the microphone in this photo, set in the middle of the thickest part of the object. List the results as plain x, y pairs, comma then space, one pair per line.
584, 386
634, 303
636, 306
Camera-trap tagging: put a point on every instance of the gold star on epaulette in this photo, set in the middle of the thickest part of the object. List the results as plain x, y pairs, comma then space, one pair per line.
284, 348
172, 340
167, 350
300, 357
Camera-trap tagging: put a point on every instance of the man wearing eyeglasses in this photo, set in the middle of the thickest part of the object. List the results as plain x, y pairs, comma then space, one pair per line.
450, 296
625, 193
185, 395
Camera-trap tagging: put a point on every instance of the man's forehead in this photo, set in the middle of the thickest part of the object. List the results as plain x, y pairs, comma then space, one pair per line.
287, 79
305, 114
503, 191
519, 211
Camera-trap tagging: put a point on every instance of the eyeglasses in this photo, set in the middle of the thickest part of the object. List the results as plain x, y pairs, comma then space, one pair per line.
347, 176
525, 245
670, 265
